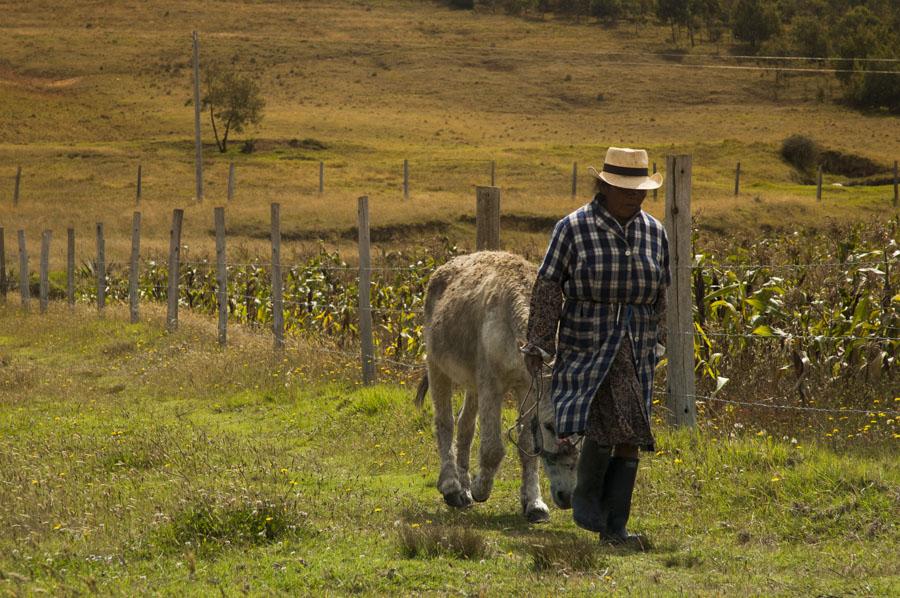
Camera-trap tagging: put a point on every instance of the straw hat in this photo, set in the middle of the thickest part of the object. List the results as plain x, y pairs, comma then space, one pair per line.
627, 168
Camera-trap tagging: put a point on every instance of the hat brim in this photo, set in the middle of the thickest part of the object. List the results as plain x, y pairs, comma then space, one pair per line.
643, 183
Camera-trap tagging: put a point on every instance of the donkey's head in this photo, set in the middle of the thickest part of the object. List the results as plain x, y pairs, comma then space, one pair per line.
560, 457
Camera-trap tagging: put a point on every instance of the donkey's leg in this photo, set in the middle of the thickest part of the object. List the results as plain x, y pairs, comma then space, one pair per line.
465, 430
448, 480
490, 402
533, 506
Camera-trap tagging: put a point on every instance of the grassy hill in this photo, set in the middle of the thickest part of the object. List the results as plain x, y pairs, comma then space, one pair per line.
90, 90
133, 461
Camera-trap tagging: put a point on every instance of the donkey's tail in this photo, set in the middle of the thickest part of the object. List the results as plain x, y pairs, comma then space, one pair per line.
420, 392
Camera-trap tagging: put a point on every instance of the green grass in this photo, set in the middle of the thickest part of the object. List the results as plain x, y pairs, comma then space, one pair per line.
136, 461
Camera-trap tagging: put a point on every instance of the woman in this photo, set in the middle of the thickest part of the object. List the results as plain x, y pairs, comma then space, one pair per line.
603, 282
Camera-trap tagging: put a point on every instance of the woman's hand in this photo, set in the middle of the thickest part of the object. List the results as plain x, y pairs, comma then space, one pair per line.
534, 362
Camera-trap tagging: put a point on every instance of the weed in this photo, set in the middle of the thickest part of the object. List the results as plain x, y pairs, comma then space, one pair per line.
431, 541
567, 554
244, 521
685, 560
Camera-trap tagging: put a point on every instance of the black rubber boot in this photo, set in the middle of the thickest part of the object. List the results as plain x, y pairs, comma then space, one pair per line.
617, 490
587, 498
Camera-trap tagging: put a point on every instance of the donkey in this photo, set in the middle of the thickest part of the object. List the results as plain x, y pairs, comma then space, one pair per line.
476, 313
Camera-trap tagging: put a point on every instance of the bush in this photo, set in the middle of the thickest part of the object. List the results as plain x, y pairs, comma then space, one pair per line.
802, 153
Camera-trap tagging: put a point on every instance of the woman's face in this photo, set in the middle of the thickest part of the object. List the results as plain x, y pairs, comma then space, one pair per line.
624, 203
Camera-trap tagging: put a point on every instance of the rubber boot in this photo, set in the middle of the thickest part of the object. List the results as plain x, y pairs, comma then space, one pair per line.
617, 490
587, 498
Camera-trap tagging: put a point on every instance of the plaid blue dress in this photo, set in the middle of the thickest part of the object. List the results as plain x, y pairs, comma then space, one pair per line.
611, 276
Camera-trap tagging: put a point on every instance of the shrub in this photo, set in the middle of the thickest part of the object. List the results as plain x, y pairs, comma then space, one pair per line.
802, 153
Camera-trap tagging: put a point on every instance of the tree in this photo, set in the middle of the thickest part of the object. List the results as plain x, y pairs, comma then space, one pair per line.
860, 34
754, 22
810, 37
675, 12
606, 10
233, 99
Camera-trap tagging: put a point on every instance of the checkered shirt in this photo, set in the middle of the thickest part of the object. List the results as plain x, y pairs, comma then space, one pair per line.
611, 276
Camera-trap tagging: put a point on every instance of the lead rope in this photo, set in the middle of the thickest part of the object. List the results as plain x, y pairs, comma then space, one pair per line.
523, 414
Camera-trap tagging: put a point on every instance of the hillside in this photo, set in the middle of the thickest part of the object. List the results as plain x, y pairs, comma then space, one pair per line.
89, 91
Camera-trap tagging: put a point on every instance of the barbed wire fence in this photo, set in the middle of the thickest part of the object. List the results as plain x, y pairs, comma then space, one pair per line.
457, 173
254, 292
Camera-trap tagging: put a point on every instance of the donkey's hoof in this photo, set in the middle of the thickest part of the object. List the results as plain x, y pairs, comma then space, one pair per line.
537, 512
481, 489
461, 499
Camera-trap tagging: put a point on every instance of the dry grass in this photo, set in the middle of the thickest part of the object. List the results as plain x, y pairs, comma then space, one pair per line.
432, 541
377, 83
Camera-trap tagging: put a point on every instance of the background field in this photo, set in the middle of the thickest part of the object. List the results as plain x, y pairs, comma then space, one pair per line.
90, 92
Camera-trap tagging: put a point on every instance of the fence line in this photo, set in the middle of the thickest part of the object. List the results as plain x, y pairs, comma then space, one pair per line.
681, 395
788, 336
869, 412
566, 172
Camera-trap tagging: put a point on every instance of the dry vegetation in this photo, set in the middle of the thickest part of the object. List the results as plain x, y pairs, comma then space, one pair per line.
88, 93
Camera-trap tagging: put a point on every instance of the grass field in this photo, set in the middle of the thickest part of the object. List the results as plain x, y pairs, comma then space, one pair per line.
135, 461
89, 91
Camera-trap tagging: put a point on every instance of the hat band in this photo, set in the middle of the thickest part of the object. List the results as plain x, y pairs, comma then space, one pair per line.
624, 171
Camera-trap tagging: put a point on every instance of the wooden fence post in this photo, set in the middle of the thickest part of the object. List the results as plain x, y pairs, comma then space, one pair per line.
487, 218
896, 190
198, 141
365, 306
45, 270
70, 266
574, 179
321, 177
221, 275
277, 282
174, 269
101, 268
134, 271
493, 173
655, 191
137, 193
23, 271
16, 190
3, 282
737, 179
679, 319
406, 179
819, 184
230, 192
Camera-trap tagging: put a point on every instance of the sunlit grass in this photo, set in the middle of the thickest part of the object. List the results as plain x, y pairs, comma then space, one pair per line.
163, 463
